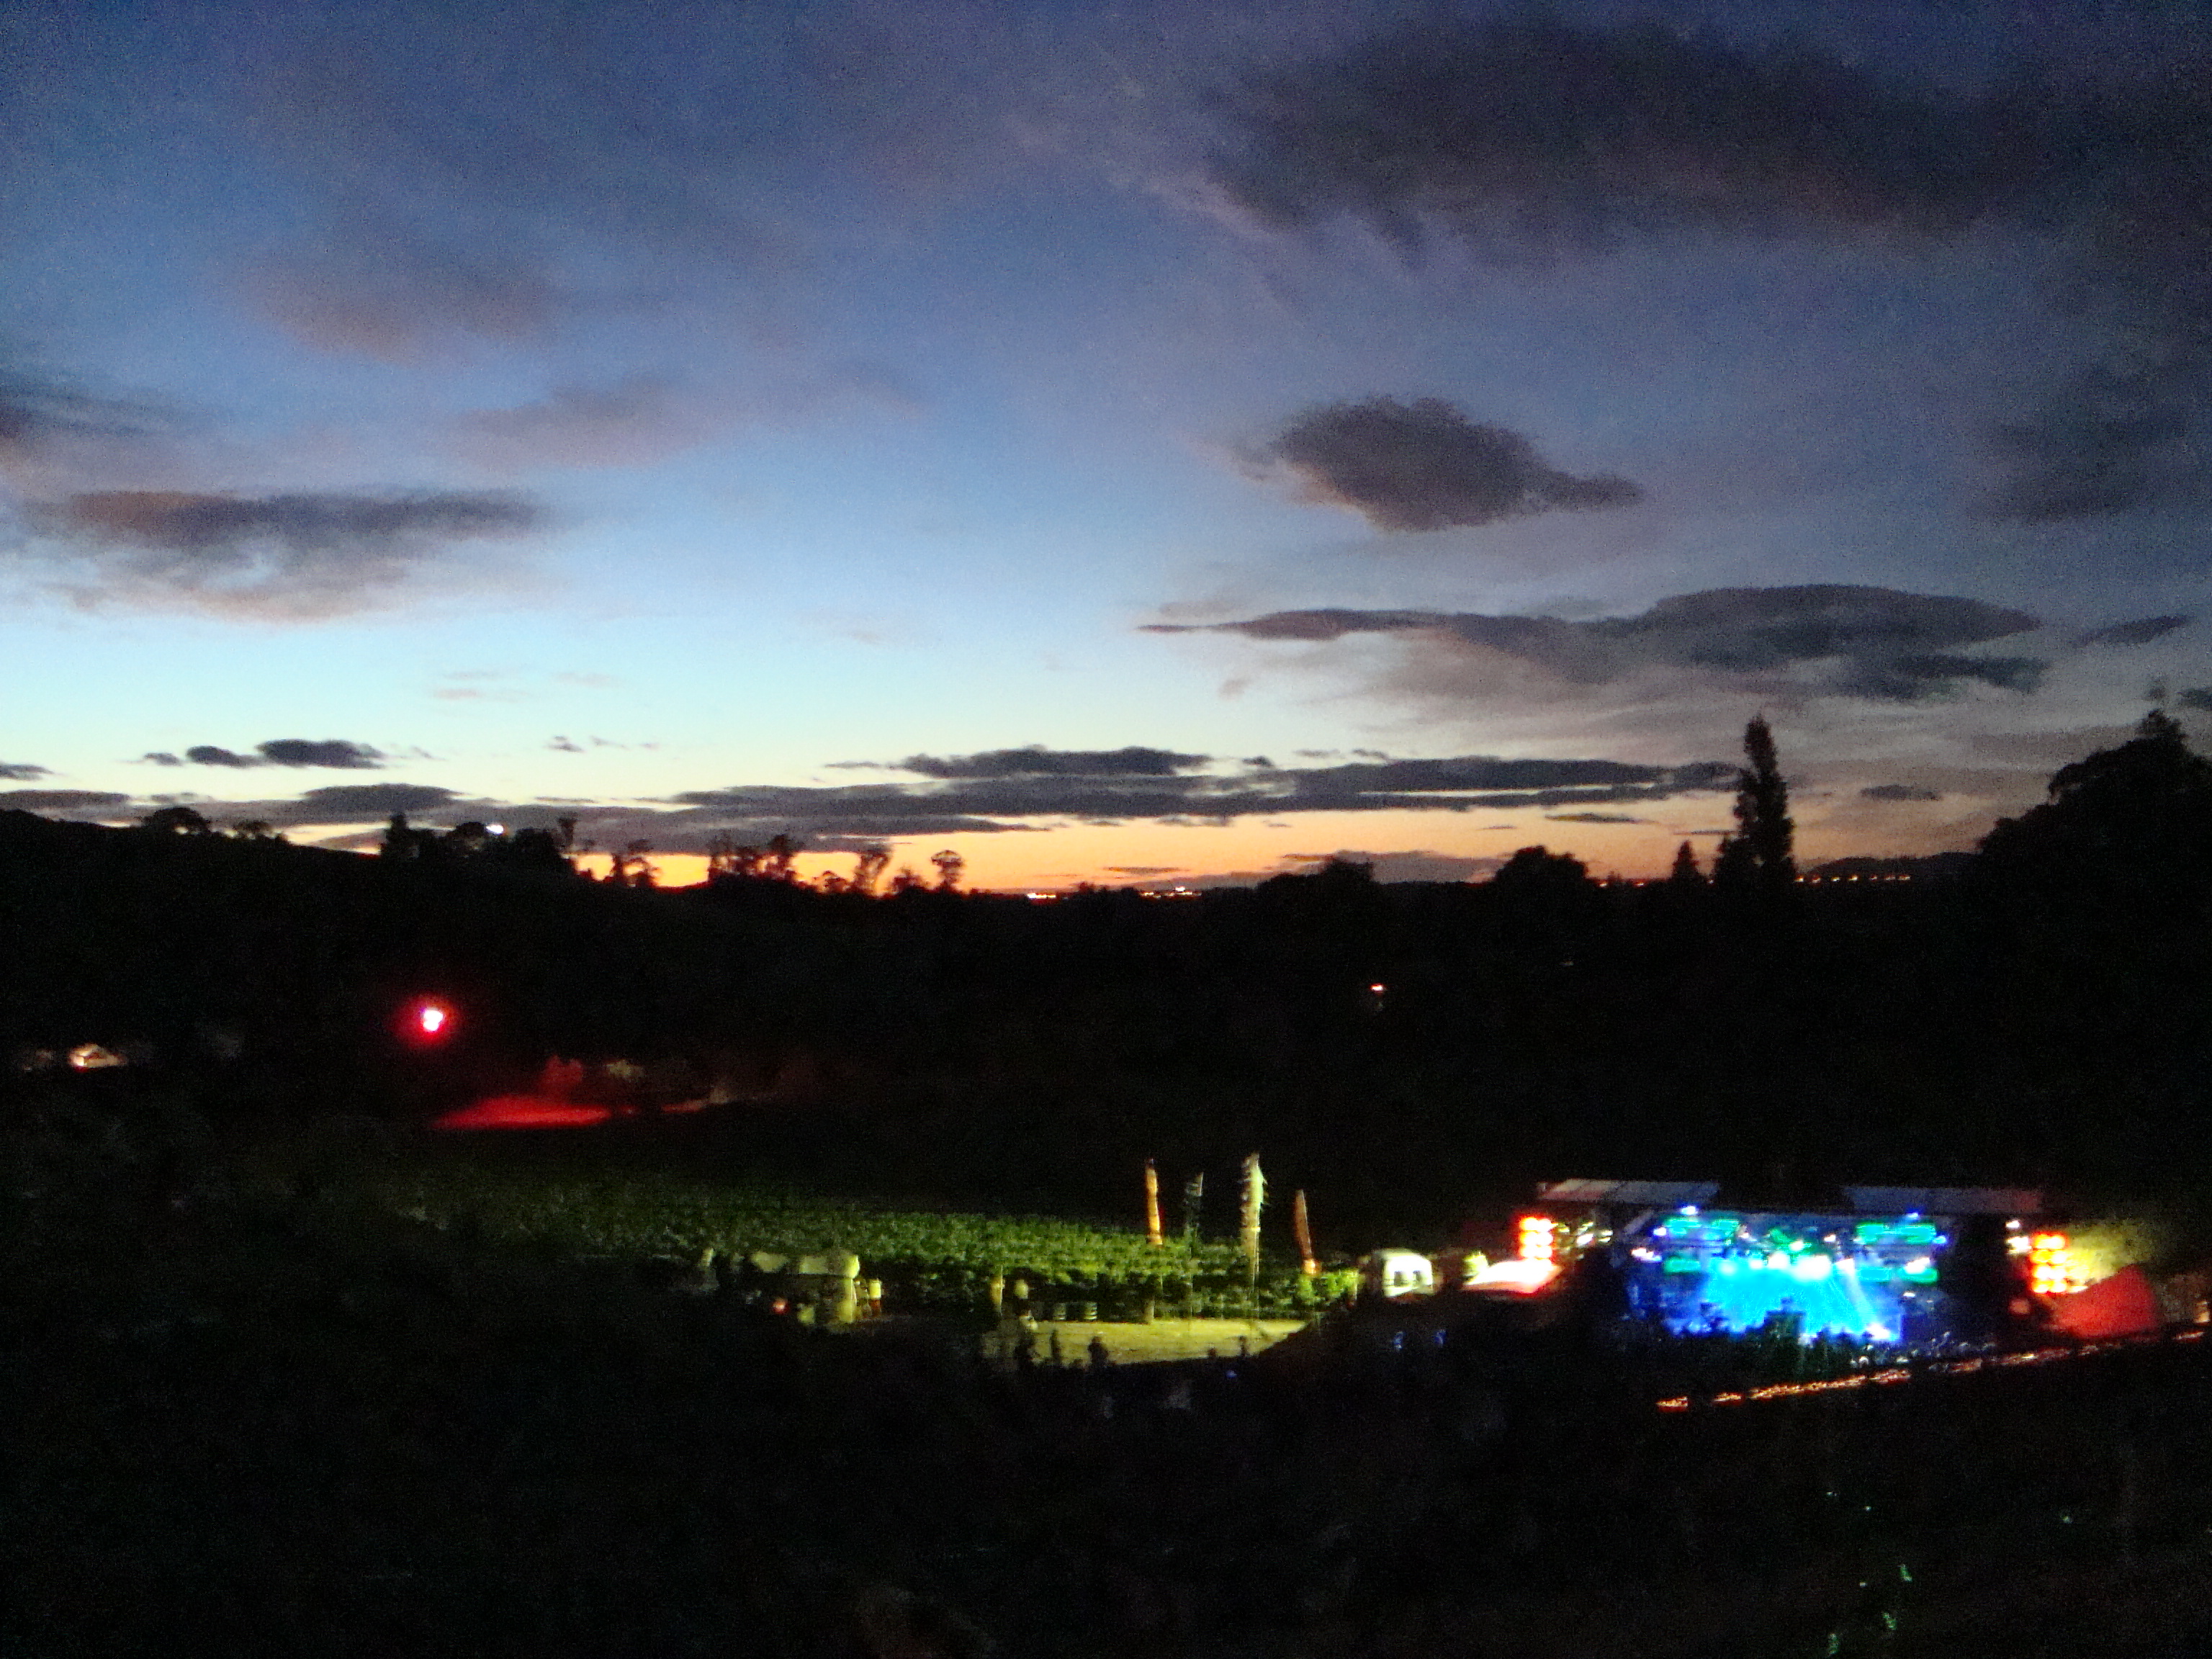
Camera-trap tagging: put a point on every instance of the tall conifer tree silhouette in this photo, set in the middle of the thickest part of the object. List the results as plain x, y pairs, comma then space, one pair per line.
1762, 851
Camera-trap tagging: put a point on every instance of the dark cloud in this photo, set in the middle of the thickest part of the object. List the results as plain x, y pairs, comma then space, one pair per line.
1038, 762
1543, 138
1422, 866
1910, 678
566, 746
842, 819
1415, 865
1424, 465
288, 556
1592, 817
336, 754
1322, 624
1900, 792
1875, 640
160, 757
61, 800
2197, 697
1549, 136
995, 799
22, 771
2142, 631
340, 803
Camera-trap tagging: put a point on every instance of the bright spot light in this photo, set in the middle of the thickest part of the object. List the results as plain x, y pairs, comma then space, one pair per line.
2053, 1271
1533, 1238
432, 1018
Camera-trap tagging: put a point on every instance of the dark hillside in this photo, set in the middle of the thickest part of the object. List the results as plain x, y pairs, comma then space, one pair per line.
2045, 1017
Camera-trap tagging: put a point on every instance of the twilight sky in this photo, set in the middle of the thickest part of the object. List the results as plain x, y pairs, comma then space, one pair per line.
1117, 441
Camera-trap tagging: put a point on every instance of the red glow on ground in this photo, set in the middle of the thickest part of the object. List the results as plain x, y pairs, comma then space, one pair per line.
542, 1112
522, 1112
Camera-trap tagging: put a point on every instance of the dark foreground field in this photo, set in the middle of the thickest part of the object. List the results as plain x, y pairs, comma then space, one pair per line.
250, 1418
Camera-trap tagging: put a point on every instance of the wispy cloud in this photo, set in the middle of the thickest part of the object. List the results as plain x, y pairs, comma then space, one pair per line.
38, 409
295, 557
633, 422
1038, 762
1872, 642
2105, 441
2140, 631
386, 289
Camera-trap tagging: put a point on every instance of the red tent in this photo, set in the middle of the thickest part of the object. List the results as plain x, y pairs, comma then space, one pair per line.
2123, 1305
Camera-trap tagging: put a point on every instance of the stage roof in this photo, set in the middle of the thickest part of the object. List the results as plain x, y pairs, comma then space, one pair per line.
1863, 1200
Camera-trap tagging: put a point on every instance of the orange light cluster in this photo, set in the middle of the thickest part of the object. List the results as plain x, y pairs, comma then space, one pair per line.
1534, 1237
2051, 1269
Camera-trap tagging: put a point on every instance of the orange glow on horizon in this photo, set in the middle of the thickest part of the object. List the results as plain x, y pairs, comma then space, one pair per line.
1056, 858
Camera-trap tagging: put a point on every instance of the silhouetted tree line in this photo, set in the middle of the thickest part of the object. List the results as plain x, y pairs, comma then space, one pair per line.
2046, 1015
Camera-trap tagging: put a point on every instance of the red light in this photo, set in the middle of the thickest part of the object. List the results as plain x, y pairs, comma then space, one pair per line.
433, 1020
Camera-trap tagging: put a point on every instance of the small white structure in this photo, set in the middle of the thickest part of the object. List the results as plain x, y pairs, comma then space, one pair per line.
1395, 1274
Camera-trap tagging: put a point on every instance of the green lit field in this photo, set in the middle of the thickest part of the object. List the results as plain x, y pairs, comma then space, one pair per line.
570, 1204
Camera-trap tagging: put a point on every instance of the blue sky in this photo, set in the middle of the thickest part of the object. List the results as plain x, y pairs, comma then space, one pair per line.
1097, 438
